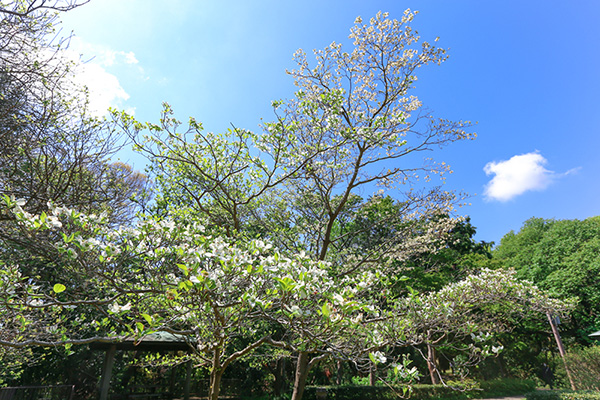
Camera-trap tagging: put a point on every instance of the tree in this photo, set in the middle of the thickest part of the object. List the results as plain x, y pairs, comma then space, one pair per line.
352, 121
217, 177
324, 317
28, 8
50, 148
201, 264
162, 276
356, 108
467, 316
562, 257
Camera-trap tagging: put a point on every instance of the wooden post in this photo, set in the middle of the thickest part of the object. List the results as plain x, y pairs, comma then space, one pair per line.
188, 378
109, 360
561, 348
172, 381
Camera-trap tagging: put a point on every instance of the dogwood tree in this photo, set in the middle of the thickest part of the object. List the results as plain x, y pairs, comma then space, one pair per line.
163, 276
467, 316
356, 109
202, 265
160, 275
353, 126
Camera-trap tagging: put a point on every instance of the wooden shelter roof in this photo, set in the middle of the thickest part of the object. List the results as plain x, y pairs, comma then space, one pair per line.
157, 341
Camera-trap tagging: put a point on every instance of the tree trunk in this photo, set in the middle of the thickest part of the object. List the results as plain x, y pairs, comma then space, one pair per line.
279, 373
215, 384
340, 371
301, 375
373, 375
432, 365
216, 373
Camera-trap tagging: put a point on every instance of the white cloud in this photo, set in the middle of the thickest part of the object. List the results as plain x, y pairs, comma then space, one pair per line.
517, 175
101, 54
104, 88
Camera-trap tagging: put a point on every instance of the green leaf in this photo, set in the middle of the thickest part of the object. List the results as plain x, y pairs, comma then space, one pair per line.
59, 287
184, 268
326, 310
372, 358
148, 318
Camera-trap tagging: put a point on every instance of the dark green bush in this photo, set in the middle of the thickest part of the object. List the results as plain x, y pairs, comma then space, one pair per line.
562, 395
506, 387
584, 364
419, 392
495, 388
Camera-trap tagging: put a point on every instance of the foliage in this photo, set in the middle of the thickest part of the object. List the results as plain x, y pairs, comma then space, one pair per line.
169, 277
50, 148
460, 256
455, 391
562, 257
464, 318
584, 366
355, 109
253, 240
297, 183
174, 277
562, 395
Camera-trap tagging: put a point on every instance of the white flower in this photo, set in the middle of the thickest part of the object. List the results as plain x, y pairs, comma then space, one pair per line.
115, 308
356, 319
379, 357
337, 298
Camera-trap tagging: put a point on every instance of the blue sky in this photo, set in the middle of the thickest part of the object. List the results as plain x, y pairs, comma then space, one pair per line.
528, 72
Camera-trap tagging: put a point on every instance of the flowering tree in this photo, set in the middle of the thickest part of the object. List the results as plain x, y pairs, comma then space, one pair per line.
351, 123
467, 315
323, 317
353, 111
355, 108
352, 126
50, 146
221, 177
176, 278
161, 276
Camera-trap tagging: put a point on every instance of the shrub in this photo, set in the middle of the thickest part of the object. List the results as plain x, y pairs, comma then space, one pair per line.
562, 395
506, 387
419, 392
458, 391
584, 365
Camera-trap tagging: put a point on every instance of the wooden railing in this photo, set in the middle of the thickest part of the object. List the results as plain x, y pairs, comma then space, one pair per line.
55, 392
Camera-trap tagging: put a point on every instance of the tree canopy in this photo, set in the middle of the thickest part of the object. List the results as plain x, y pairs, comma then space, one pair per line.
562, 257
266, 237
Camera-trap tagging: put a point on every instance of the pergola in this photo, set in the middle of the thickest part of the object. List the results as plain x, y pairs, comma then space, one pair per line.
157, 342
